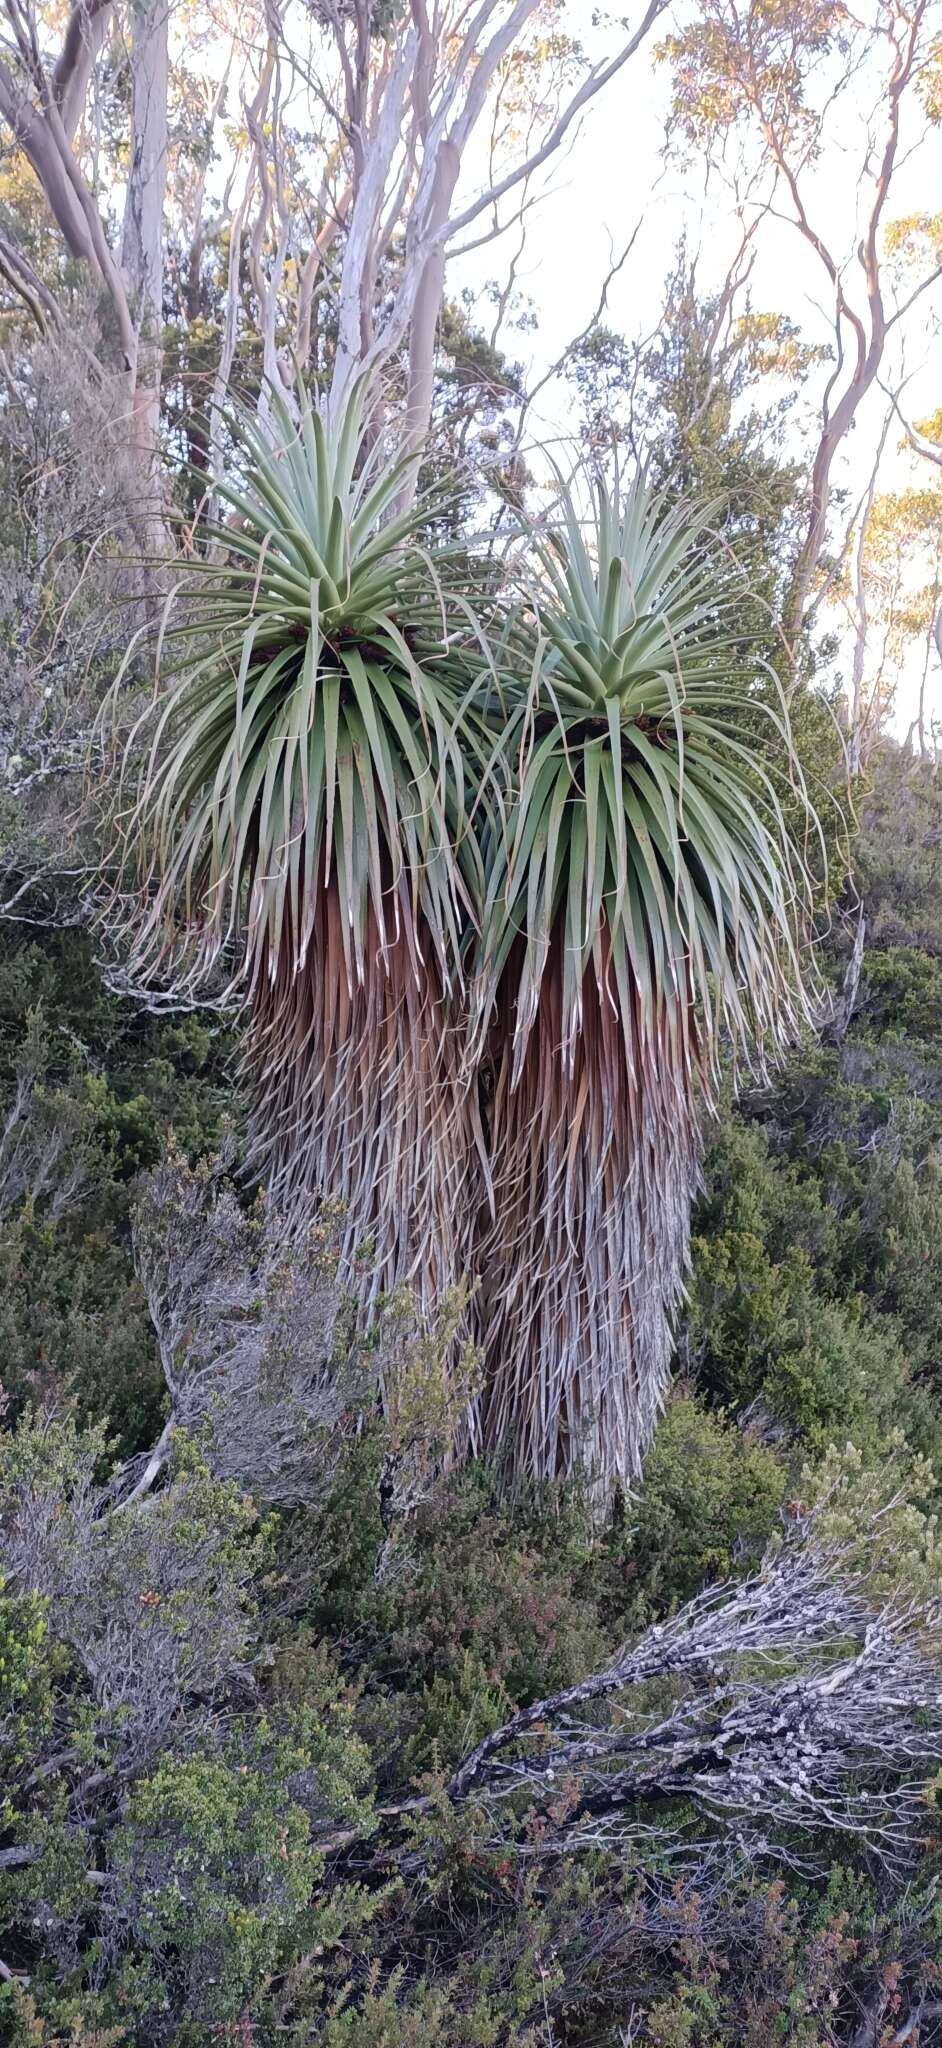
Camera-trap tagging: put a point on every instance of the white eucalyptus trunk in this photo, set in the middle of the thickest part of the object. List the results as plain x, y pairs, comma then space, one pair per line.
142, 244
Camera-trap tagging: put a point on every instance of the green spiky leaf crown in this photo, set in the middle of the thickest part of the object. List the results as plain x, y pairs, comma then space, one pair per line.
646, 841
314, 724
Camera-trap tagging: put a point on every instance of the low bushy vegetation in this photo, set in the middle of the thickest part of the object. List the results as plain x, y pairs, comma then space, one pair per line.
240, 1681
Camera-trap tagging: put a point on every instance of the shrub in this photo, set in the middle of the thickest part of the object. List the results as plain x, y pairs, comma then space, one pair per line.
704, 1511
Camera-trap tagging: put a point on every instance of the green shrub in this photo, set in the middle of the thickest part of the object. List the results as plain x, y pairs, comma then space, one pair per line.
704, 1510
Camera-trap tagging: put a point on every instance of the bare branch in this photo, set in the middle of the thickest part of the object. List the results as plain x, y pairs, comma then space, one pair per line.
843, 1744
86, 30
594, 84
19, 274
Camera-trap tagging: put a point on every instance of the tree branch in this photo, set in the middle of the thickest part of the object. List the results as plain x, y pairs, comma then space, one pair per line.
86, 30
590, 87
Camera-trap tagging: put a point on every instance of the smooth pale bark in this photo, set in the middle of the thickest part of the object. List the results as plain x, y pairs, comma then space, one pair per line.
44, 110
43, 117
310, 270
859, 708
142, 234
428, 302
441, 138
86, 31
406, 107
32, 129
272, 220
230, 335
846, 1003
366, 213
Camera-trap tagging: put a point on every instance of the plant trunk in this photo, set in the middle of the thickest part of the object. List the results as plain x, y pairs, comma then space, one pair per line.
428, 305
142, 235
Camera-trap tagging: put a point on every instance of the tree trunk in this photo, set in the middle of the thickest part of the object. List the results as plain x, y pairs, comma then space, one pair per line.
87, 29
846, 1003
428, 305
142, 235
41, 132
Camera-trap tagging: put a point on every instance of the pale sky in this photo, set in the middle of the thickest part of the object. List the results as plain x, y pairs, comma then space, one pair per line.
614, 176
611, 175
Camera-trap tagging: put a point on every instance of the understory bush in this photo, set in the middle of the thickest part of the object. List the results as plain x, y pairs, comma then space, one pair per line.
243, 1666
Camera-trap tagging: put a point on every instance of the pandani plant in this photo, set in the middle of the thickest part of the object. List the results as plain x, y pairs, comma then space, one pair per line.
495, 909
300, 821
646, 902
